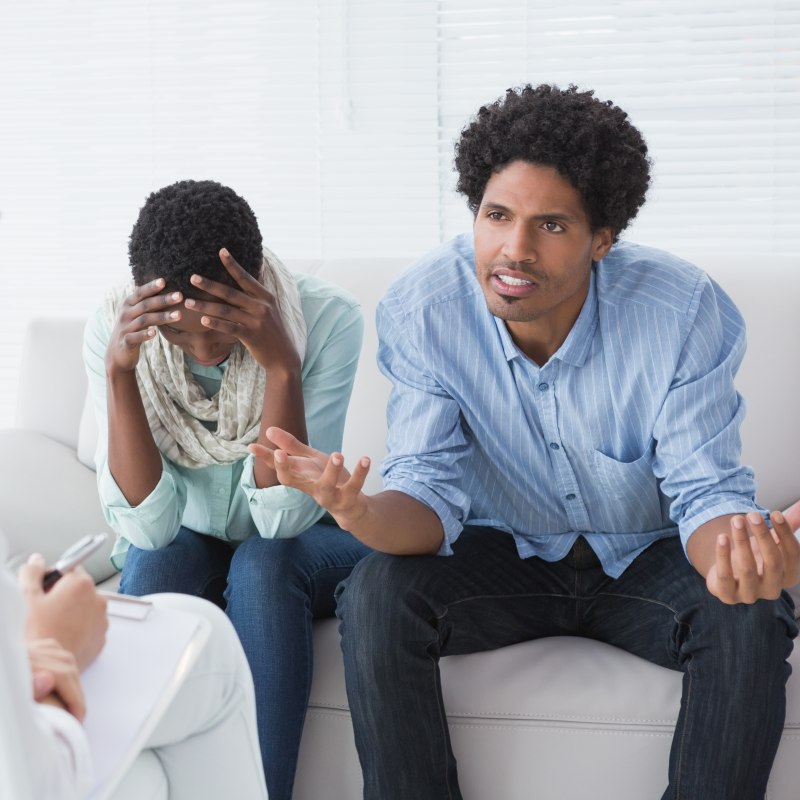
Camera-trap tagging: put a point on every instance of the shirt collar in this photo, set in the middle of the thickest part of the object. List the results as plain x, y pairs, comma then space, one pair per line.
575, 347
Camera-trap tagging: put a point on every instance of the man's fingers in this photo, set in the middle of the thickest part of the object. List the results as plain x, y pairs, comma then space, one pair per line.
264, 453
744, 562
283, 440
723, 559
724, 584
360, 472
771, 580
789, 547
792, 515
328, 481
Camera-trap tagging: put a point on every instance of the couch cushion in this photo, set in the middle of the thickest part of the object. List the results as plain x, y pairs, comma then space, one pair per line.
87, 434
52, 384
48, 516
568, 679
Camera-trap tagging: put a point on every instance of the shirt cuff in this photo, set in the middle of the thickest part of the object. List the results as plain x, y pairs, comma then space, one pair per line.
452, 526
718, 508
151, 524
150, 509
277, 511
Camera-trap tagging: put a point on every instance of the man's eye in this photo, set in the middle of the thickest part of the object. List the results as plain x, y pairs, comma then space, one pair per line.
495, 215
553, 227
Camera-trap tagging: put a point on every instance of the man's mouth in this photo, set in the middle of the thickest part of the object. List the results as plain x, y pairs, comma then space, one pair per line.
512, 285
510, 280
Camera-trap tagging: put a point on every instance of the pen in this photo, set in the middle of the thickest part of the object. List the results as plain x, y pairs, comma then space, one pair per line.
71, 557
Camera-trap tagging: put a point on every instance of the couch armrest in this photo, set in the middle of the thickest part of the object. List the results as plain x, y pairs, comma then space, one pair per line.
52, 383
48, 500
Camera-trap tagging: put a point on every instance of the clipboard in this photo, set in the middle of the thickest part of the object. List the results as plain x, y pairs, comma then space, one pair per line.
149, 651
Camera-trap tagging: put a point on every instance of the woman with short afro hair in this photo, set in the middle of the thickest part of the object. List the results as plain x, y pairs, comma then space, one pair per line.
213, 342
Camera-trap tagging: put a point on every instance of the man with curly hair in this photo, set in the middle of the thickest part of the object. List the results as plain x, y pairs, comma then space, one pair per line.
563, 460
213, 342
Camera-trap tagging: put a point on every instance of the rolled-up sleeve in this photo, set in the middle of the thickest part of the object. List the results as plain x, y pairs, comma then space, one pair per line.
329, 368
155, 521
698, 429
426, 439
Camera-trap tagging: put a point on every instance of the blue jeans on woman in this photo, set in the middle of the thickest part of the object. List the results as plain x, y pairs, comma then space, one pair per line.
399, 614
271, 590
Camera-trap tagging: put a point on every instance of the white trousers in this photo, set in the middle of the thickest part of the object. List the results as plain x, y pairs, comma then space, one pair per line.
206, 745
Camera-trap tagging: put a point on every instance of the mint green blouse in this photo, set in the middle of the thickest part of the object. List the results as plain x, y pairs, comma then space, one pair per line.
222, 500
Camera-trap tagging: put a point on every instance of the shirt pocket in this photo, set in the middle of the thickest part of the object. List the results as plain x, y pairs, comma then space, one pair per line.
632, 497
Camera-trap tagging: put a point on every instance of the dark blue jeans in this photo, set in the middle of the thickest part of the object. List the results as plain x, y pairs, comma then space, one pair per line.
272, 589
399, 614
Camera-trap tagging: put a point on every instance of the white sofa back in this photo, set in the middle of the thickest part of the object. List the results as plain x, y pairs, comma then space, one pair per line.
769, 378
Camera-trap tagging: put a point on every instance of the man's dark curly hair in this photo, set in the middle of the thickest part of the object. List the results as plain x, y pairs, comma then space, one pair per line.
181, 229
591, 143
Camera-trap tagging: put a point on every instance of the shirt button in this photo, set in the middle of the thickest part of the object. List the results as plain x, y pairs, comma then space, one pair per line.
543, 387
570, 496
554, 446
220, 491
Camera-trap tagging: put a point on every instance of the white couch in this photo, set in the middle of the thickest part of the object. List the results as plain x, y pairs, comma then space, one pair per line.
554, 719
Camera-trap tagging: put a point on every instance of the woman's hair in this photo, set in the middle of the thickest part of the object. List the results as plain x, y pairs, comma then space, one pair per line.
591, 144
181, 229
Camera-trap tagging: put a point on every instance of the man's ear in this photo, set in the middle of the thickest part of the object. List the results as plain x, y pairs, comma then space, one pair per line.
602, 239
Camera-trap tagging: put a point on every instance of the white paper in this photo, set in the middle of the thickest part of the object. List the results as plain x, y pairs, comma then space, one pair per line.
131, 683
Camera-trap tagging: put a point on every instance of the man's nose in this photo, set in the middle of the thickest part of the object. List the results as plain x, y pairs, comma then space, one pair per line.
520, 244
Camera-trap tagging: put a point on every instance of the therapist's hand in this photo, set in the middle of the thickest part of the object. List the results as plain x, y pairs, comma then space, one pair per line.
56, 678
72, 612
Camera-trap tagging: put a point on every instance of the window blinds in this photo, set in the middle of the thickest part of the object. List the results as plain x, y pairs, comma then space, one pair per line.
336, 120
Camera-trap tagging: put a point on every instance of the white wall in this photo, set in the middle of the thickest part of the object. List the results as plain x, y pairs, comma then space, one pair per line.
336, 118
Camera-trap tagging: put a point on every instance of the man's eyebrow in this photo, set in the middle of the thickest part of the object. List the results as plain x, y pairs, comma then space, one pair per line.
556, 215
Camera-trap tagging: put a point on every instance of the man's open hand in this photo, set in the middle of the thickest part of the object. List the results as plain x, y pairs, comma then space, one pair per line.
321, 476
754, 562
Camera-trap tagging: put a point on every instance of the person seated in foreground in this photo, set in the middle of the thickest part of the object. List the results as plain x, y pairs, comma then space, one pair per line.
207, 742
213, 342
564, 459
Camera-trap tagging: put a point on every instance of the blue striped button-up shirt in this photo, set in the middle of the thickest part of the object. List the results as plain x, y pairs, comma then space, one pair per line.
629, 433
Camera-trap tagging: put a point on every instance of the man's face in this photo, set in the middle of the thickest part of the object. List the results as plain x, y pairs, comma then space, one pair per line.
533, 253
